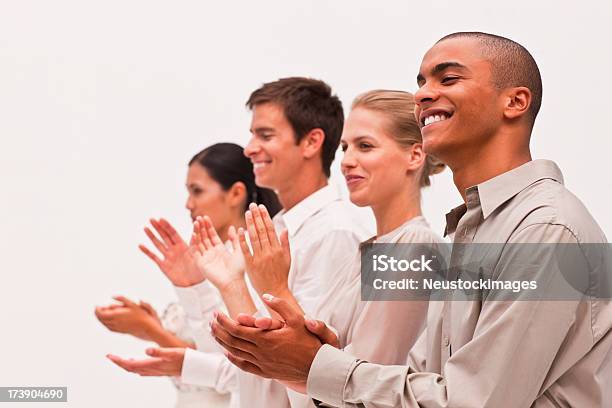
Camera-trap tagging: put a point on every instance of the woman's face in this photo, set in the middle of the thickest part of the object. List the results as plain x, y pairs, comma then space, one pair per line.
374, 165
207, 197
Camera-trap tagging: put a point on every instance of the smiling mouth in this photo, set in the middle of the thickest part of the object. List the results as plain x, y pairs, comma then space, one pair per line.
435, 118
261, 164
353, 179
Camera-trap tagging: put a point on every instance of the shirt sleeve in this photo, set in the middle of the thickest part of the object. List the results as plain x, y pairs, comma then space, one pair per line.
199, 302
503, 365
207, 366
209, 370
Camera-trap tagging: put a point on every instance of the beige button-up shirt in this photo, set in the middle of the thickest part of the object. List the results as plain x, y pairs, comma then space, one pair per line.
495, 353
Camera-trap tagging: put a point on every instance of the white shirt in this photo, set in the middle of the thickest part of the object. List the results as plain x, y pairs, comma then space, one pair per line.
324, 231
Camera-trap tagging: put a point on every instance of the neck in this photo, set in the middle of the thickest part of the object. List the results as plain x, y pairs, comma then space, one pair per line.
300, 186
237, 221
396, 211
491, 160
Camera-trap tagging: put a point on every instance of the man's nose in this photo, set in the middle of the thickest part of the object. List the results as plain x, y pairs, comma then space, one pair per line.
251, 148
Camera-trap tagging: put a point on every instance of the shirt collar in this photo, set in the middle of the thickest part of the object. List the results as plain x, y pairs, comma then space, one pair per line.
298, 214
491, 194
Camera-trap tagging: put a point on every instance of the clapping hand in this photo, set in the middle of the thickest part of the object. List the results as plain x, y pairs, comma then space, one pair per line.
139, 320
219, 265
268, 265
284, 353
163, 362
179, 261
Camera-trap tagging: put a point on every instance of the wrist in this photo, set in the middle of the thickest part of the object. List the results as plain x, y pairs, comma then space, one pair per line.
154, 331
232, 286
282, 292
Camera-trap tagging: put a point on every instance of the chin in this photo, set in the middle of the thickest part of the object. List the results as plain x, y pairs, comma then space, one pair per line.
262, 181
359, 199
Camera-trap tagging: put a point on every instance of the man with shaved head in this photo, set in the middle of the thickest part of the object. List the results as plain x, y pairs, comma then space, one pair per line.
478, 97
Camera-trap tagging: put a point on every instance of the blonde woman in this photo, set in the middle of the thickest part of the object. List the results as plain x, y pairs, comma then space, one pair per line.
385, 169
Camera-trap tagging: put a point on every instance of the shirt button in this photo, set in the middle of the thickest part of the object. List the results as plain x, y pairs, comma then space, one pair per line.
446, 341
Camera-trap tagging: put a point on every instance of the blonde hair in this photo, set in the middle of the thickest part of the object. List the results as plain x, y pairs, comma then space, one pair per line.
398, 107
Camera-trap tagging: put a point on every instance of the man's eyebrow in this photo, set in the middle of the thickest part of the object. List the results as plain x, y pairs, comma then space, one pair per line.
262, 129
440, 68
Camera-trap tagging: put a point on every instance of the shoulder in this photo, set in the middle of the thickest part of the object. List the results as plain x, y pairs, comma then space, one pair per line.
419, 232
548, 205
339, 218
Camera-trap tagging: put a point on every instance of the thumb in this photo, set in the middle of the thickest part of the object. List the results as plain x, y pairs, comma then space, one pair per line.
320, 329
233, 236
148, 308
126, 302
283, 308
161, 352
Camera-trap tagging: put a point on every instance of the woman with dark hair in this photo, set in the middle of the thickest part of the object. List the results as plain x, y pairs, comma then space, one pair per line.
220, 184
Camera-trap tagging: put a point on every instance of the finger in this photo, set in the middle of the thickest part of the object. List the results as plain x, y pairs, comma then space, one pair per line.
212, 232
244, 365
204, 234
252, 230
237, 352
162, 232
224, 328
246, 320
264, 323
260, 226
148, 308
126, 302
143, 367
269, 226
150, 254
196, 237
171, 231
244, 247
175, 354
320, 329
158, 244
100, 313
268, 323
284, 309
232, 235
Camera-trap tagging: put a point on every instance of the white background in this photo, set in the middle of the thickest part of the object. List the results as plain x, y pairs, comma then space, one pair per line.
103, 103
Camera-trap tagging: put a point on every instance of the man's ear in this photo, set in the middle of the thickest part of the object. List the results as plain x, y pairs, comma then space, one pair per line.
236, 195
517, 102
312, 143
416, 157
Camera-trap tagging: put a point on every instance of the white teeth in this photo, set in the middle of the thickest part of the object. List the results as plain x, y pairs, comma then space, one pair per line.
434, 118
258, 165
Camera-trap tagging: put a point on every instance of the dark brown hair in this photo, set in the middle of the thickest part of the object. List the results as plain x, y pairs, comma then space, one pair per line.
226, 164
307, 104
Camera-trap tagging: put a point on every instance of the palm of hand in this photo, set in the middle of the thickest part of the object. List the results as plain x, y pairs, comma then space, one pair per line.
220, 265
181, 265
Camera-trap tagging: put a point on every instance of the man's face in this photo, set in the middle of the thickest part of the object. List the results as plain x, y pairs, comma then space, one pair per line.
275, 155
457, 106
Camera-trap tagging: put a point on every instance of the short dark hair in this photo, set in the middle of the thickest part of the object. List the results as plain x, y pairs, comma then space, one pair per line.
308, 104
511, 65
227, 164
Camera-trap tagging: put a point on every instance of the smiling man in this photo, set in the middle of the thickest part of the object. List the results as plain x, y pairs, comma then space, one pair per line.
478, 97
295, 132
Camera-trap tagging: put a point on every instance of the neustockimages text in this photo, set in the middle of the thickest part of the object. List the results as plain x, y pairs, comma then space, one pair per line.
385, 263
